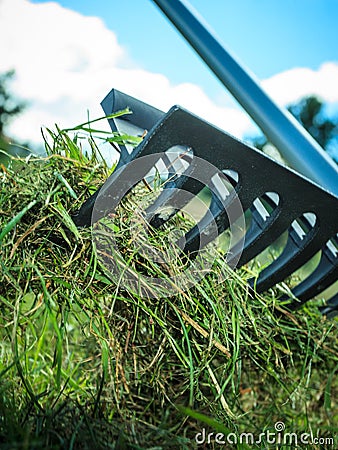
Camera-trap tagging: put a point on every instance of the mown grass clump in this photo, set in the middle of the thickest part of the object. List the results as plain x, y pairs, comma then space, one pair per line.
86, 364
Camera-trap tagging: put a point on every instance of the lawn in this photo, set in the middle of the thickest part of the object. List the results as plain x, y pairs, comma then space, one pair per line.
86, 363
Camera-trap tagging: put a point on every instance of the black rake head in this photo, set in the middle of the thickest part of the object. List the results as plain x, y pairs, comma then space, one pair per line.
276, 202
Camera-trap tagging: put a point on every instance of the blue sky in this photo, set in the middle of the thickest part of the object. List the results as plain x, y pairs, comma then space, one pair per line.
68, 54
267, 36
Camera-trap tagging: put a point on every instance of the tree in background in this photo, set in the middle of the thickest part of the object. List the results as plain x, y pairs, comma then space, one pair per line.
9, 107
310, 113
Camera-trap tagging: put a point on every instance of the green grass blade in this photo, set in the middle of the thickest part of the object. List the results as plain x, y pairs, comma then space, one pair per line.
16, 219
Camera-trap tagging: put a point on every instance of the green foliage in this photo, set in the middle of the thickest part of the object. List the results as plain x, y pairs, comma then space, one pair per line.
9, 106
310, 113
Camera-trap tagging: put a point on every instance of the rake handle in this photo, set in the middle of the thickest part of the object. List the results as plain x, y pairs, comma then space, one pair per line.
295, 144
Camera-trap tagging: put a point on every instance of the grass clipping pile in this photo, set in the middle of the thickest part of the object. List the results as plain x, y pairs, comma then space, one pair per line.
85, 364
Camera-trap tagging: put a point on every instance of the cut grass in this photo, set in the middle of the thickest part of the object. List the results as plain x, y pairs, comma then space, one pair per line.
87, 364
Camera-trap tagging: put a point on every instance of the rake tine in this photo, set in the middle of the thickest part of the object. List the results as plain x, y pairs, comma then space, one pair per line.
173, 197
297, 250
263, 227
320, 279
214, 222
330, 310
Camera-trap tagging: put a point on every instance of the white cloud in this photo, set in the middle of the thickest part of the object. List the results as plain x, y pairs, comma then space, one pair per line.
290, 86
66, 63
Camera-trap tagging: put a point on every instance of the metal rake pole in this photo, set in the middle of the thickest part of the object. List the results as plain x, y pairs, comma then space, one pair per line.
294, 143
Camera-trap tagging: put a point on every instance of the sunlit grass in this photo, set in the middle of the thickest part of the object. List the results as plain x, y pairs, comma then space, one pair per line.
87, 364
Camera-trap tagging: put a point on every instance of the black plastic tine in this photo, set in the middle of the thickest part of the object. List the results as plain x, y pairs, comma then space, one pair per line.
153, 214
325, 274
214, 222
118, 185
266, 227
83, 217
174, 181
297, 251
173, 196
263, 225
330, 310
